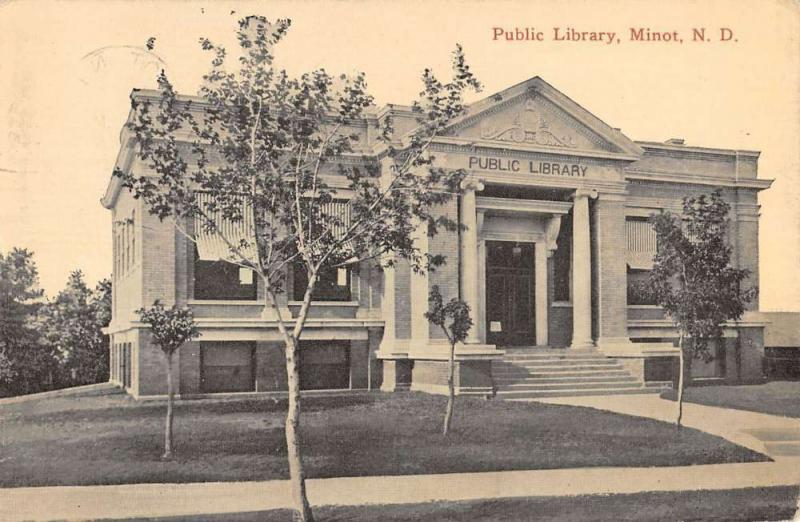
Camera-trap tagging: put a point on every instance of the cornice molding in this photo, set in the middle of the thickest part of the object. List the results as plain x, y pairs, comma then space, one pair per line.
501, 148
691, 179
528, 206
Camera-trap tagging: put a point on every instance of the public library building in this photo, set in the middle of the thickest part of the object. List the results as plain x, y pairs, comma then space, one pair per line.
555, 240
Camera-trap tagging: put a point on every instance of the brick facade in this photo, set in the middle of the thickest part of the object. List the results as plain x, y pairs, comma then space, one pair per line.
516, 200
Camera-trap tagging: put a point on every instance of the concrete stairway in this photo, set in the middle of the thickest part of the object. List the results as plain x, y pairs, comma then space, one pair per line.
535, 372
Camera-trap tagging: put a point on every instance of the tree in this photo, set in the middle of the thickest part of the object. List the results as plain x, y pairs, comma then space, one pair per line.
457, 311
170, 328
26, 364
692, 278
72, 324
270, 154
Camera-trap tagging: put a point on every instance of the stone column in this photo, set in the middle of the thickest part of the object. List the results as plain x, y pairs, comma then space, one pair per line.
540, 270
470, 286
581, 271
418, 291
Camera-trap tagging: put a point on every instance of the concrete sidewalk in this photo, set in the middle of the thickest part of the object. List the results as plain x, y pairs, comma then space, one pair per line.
153, 500
772, 435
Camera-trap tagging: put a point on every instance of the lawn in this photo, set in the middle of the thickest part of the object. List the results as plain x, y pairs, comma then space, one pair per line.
776, 503
775, 398
114, 440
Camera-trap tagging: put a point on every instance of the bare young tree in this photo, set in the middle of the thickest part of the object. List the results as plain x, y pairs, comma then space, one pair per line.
170, 328
274, 167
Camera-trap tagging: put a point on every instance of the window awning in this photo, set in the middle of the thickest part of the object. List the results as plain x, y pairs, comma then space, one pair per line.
641, 244
241, 234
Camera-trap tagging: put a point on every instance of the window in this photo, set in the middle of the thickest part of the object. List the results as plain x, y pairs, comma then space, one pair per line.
561, 261
333, 284
324, 365
221, 280
638, 287
227, 366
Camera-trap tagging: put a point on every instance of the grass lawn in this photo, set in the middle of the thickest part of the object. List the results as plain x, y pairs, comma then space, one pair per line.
775, 398
113, 439
776, 503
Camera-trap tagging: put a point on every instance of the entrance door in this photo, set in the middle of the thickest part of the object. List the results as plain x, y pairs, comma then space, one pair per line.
509, 293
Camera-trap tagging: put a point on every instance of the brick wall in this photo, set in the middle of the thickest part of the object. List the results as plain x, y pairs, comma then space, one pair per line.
402, 310
609, 277
375, 365
446, 277
560, 327
158, 260
744, 232
190, 368
150, 368
359, 364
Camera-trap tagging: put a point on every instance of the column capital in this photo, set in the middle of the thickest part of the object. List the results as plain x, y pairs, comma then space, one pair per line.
470, 184
585, 193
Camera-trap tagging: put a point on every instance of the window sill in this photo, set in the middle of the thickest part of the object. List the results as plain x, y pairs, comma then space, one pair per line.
327, 303
645, 307
561, 304
232, 302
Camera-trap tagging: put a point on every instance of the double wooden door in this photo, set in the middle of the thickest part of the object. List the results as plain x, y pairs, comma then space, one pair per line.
509, 293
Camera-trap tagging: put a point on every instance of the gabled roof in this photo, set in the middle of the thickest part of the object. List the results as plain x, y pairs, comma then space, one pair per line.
537, 87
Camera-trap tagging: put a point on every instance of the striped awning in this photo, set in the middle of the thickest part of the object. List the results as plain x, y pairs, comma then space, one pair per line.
641, 244
212, 247
241, 234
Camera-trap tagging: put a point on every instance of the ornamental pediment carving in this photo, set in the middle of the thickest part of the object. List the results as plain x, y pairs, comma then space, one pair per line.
532, 121
528, 126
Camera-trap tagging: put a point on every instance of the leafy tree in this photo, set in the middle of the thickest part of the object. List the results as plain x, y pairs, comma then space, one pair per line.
270, 153
692, 278
169, 328
457, 312
26, 364
72, 324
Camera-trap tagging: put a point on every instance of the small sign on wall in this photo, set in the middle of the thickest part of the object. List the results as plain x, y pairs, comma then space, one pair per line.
245, 276
341, 277
495, 326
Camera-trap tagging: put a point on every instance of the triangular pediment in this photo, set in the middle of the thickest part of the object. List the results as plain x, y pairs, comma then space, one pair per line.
533, 114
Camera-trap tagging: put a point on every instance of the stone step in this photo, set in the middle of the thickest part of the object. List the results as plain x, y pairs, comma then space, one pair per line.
539, 394
561, 368
538, 350
558, 375
554, 355
588, 378
568, 386
556, 360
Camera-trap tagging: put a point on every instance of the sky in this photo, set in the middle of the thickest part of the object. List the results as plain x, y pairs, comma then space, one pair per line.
67, 69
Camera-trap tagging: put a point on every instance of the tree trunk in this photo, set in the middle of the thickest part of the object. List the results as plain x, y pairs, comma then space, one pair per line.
451, 391
296, 475
170, 394
681, 383
297, 479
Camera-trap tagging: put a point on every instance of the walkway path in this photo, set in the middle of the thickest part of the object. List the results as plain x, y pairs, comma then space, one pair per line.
151, 500
773, 435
